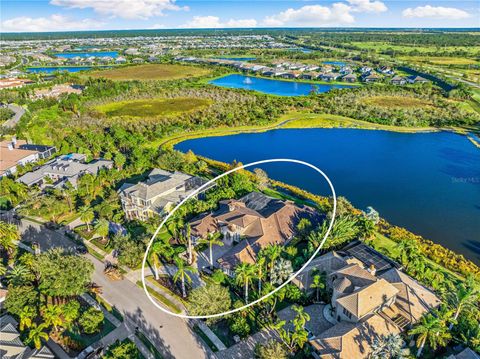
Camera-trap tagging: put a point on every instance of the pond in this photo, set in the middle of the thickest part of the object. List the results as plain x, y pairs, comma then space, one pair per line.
334, 63
428, 183
61, 68
273, 87
236, 58
71, 55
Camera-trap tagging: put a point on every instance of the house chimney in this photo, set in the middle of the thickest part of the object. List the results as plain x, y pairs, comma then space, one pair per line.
372, 269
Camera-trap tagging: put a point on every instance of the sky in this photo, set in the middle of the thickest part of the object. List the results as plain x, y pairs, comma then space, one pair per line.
71, 15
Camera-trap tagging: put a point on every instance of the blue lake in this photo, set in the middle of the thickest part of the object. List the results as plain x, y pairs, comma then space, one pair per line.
272, 87
334, 63
426, 182
60, 68
71, 55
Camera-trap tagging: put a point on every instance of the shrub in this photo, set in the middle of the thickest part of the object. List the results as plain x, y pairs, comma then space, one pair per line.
240, 326
91, 320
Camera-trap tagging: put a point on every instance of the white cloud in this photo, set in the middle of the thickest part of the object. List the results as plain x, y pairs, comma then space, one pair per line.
367, 6
52, 23
213, 22
312, 15
127, 9
435, 12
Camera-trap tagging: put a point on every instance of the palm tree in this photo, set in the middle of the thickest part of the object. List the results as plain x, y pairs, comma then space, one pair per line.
301, 318
272, 252
408, 251
243, 276
431, 329
36, 335
318, 283
8, 236
102, 228
26, 317
188, 235
155, 251
465, 297
282, 269
19, 275
3, 269
259, 266
182, 274
389, 346
52, 314
86, 216
212, 239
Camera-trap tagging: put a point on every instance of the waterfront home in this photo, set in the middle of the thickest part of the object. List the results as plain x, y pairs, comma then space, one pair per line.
290, 75
365, 69
330, 76
120, 60
64, 169
415, 79
386, 70
258, 68
158, 194
398, 80
249, 224
269, 72
308, 75
349, 78
57, 90
371, 77
371, 297
11, 345
137, 60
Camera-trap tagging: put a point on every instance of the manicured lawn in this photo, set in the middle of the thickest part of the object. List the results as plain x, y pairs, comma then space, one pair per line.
162, 299
441, 60
152, 107
151, 72
396, 102
87, 339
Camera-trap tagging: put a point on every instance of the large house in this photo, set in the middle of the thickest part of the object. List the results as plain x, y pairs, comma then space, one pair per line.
371, 297
11, 346
63, 169
158, 194
250, 224
19, 153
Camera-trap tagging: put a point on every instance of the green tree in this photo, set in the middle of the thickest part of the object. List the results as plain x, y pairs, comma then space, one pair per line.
102, 228
183, 275
27, 315
318, 284
211, 240
8, 237
155, 251
209, 299
259, 269
36, 334
19, 298
282, 270
390, 346
19, 275
432, 330
119, 160
91, 320
244, 273
272, 252
86, 216
269, 350
122, 350
71, 311
465, 297
52, 315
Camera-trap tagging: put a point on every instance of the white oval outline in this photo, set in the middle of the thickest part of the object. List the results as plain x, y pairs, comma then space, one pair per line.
184, 316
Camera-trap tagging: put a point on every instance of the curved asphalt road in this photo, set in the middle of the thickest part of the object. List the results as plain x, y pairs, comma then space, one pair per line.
19, 111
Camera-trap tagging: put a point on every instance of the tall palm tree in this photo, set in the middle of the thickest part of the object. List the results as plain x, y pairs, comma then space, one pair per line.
27, 316
212, 239
52, 314
19, 275
409, 249
465, 297
155, 251
182, 274
282, 269
188, 235
431, 329
86, 216
272, 252
259, 266
301, 318
3, 269
8, 236
318, 283
243, 276
102, 228
36, 334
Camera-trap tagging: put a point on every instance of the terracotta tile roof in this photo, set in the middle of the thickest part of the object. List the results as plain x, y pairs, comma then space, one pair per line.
365, 300
10, 158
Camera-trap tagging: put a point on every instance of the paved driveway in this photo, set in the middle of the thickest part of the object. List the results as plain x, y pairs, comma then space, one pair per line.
12, 122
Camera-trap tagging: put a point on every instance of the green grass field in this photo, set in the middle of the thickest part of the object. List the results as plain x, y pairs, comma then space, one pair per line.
440, 60
396, 102
151, 72
382, 46
152, 107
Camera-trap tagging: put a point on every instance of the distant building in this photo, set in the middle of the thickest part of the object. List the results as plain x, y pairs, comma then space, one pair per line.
157, 194
18, 153
12, 347
329, 76
398, 80
371, 77
63, 169
349, 78
466, 353
57, 90
13, 83
416, 79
